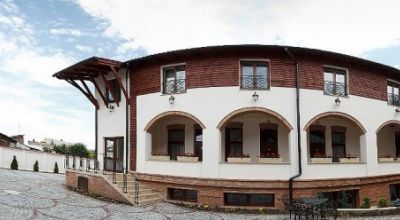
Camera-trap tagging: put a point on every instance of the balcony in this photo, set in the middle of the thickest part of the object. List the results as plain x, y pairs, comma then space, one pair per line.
335, 88
174, 86
254, 82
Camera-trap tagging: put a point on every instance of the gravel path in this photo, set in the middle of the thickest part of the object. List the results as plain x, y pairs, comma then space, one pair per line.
30, 195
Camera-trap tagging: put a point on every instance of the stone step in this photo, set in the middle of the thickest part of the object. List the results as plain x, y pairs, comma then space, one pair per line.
145, 201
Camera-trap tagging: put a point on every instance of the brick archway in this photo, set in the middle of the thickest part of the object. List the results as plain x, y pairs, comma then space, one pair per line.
387, 123
336, 114
262, 110
173, 113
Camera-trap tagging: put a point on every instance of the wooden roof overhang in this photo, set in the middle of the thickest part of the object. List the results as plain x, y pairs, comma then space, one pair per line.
79, 74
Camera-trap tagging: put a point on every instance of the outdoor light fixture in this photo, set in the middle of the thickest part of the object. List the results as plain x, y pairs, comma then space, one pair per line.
255, 97
110, 107
337, 102
171, 100
397, 110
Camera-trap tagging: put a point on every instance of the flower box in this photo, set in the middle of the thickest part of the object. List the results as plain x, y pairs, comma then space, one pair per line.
187, 159
270, 160
386, 159
239, 159
160, 157
349, 160
321, 160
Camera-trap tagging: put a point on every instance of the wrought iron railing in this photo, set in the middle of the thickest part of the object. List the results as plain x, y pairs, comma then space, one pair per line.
175, 86
125, 182
254, 82
393, 99
73, 163
335, 88
136, 197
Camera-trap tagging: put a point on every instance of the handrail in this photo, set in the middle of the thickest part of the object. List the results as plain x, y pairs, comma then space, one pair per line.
125, 181
136, 198
114, 173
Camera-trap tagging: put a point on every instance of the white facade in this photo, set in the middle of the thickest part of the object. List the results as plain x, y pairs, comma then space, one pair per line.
211, 105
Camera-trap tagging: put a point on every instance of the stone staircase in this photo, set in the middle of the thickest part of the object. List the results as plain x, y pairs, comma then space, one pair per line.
145, 196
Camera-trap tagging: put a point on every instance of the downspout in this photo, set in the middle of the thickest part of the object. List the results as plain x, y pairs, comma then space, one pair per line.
291, 179
96, 134
127, 120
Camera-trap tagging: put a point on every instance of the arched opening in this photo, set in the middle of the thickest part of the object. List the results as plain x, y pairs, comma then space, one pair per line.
175, 136
388, 141
335, 137
254, 135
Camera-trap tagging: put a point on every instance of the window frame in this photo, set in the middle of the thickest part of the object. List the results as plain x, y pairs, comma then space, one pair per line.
173, 128
273, 148
335, 70
393, 84
248, 199
185, 198
254, 62
113, 83
163, 79
228, 142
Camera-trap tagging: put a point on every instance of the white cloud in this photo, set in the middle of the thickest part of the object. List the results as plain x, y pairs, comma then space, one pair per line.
66, 31
397, 66
83, 48
352, 27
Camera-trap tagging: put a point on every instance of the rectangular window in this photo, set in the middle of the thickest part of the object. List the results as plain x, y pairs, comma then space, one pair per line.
234, 142
254, 75
249, 199
393, 93
114, 86
176, 142
394, 191
317, 143
198, 142
174, 79
186, 195
335, 81
268, 142
338, 146
342, 199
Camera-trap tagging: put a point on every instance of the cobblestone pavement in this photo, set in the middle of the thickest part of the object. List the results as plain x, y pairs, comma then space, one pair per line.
30, 195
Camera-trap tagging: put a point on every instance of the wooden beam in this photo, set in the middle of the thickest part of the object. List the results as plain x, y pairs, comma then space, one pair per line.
88, 90
76, 85
109, 88
114, 72
99, 90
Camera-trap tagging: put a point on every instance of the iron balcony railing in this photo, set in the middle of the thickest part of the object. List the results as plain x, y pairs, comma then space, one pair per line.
254, 82
175, 86
393, 99
335, 88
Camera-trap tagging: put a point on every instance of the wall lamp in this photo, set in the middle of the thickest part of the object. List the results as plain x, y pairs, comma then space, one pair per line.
337, 102
171, 99
397, 110
255, 97
110, 107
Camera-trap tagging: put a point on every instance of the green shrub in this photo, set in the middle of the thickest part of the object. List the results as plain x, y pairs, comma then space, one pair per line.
14, 163
382, 202
55, 168
366, 203
36, 166
396, 203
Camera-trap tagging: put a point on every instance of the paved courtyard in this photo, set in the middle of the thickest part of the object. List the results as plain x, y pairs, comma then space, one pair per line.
29, 195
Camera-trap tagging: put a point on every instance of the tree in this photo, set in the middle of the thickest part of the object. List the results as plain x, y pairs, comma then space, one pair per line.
36, 166
14, 163
47, 149
78, 150
55, 168
60, 149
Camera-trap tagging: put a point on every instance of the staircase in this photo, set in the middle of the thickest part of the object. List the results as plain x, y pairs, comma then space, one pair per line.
135, 193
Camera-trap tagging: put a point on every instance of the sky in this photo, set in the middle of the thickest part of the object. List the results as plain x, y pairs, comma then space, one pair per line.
39, 38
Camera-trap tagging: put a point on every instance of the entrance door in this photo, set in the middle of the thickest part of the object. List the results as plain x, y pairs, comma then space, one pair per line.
268, 142
176, 143
114, 154
338, 145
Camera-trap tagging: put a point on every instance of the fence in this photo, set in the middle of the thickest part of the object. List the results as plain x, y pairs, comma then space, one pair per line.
27, 158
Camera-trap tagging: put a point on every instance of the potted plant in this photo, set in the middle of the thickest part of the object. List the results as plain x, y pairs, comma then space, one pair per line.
160, 156
188, 157
386, 158
321, 158
270, 158
349, 158
239, 158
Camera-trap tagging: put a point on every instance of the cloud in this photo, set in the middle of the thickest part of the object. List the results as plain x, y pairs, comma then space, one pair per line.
83, 48
66, 31
351, 27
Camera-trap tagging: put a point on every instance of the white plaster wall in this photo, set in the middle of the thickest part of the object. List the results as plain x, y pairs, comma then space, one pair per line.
386, 140
211, 105
26, 159
111, 123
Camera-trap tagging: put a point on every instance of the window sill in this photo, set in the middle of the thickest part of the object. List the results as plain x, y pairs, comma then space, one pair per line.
276, 163
174, 161
250, 89
169, 94
335, 163
339, 96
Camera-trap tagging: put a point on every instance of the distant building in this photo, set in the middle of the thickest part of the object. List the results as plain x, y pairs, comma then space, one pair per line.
48, 143
6, 141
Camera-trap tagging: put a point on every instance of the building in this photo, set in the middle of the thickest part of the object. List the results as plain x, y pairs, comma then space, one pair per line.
47, 143
243, 125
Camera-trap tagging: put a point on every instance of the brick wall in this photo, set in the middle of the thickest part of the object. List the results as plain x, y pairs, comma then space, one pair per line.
211, 191
97, 185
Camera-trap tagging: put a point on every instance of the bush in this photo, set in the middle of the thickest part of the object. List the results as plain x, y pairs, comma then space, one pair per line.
36, 166
366, 203
396, 203
14, 163
382, 202
55, 168
78, 150
60, 149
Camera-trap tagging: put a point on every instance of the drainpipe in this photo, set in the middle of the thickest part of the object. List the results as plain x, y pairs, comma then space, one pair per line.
127, 120
96, 128
297, 72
